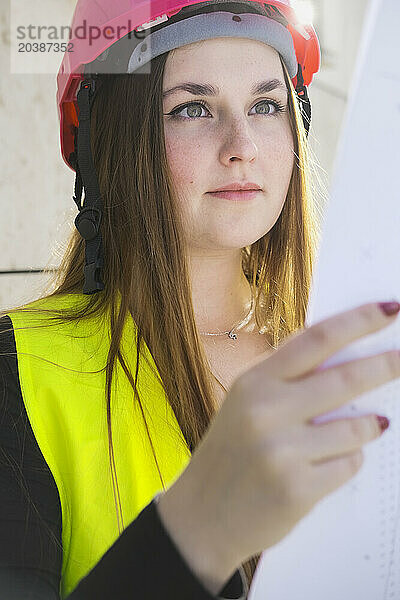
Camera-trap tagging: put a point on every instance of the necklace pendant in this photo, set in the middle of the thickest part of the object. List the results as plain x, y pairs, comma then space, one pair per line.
233, 336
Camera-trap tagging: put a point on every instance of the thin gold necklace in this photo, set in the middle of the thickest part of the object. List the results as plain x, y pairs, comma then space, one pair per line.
233, 335
230, 333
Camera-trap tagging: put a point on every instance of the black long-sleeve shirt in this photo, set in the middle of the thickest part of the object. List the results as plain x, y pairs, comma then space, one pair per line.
143, 563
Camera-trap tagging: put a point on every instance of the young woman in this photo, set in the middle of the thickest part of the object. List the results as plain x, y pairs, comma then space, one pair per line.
157, 411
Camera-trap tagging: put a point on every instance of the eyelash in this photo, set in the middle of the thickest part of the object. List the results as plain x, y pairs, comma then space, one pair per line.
279, 108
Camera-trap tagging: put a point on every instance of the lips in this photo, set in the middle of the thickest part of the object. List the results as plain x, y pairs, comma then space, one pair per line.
238, 187
241, 195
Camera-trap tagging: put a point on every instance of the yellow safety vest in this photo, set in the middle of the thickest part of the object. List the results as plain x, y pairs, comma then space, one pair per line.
67, 411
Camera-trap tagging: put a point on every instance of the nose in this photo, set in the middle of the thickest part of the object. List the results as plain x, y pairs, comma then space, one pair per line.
238, 143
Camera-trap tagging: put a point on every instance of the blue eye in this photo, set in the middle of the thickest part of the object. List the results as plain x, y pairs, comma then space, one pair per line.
279, 108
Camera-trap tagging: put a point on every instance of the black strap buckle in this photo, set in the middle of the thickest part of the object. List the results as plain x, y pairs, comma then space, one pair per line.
88, 222
93, 282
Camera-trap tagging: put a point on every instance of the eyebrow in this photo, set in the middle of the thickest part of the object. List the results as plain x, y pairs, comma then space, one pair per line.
206, 89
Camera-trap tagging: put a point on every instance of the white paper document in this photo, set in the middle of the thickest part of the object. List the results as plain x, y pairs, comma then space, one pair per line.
348, 546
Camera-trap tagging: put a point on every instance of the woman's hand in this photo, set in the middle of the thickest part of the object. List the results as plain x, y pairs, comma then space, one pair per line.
263, 465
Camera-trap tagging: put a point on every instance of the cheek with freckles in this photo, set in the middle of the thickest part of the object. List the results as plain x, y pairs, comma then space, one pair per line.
184, 161
184, 169
278, 165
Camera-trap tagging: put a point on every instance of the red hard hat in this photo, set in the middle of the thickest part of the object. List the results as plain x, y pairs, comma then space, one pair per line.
116, 18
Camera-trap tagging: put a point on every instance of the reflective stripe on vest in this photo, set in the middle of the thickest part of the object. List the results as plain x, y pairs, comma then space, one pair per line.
66, 408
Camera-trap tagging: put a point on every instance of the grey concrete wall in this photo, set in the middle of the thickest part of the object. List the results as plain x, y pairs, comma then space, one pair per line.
36, 187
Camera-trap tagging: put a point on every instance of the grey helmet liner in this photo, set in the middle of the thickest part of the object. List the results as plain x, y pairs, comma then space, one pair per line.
215, 25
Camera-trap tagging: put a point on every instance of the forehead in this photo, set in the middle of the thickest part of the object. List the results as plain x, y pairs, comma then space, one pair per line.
224, 59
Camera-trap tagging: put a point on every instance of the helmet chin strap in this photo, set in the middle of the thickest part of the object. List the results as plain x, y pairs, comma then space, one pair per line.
305, 104
88, 219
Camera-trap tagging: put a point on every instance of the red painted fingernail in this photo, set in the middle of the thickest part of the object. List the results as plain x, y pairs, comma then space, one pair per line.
383, 422
389, 308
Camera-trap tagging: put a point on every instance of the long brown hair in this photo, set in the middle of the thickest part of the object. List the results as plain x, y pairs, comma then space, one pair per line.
145, 262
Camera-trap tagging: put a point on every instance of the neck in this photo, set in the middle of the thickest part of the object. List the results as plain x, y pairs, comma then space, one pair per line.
221, 294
